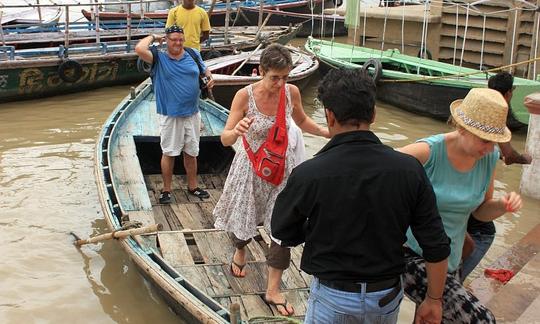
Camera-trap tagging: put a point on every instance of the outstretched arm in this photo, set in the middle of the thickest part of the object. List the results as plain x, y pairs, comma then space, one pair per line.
301, 119
492, 208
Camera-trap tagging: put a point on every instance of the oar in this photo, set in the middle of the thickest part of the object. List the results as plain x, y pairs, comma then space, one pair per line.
117, 234
247, 58
209, 13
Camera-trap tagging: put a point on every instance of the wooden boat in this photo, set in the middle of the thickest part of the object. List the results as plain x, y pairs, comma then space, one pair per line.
188, 261
333, 25
34, 73
226, 84
218, 14
29, 17
85, 32
419, 85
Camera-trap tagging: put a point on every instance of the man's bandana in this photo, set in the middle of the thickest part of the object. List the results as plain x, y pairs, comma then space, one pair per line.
174, 29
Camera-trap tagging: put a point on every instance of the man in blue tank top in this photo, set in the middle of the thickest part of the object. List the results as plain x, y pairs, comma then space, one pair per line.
175, 75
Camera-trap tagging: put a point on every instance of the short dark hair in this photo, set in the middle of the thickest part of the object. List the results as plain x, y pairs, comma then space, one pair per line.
275, 57
502, 82
349, 94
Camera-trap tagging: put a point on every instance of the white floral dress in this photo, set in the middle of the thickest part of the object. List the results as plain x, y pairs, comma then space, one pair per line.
247, 200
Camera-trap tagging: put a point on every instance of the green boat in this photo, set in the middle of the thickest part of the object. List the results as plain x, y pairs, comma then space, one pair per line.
415, 84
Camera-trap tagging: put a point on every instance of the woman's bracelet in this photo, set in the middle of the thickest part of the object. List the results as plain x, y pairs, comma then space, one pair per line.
430, 297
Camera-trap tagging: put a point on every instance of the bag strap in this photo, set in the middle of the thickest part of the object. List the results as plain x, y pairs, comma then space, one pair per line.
195, 58
280, 122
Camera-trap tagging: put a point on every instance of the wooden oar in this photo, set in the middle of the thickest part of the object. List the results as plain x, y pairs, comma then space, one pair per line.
247, 58
118, 234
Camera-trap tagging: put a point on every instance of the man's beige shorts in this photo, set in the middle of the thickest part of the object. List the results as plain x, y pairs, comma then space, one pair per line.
180, 134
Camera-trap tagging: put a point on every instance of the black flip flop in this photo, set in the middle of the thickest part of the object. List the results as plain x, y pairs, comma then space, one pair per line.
239, 266
284, 305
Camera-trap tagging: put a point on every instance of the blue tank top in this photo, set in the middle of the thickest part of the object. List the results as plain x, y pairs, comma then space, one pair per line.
458, 193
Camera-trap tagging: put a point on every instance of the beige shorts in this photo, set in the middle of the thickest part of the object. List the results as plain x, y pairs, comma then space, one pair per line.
180, 134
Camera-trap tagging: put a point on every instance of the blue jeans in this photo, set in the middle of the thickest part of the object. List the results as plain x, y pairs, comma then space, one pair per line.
327, 305
482, 242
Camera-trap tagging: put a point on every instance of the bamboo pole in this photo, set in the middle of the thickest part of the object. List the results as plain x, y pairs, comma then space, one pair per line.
247, 58
128, 27
39, 12
263, 24
227, 14
212, 5
97, 23
1, 29
118, 234
261, 7
66, 31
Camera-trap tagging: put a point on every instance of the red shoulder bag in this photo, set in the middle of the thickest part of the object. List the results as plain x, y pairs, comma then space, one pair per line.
269, 160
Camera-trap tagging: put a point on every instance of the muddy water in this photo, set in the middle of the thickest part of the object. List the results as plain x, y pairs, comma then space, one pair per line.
47, 190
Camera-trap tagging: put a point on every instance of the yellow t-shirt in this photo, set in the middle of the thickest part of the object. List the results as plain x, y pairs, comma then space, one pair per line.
193, 21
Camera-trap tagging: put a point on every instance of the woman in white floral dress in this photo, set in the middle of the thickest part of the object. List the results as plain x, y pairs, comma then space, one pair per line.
248, 200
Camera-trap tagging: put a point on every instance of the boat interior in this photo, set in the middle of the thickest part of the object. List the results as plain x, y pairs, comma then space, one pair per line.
188, 248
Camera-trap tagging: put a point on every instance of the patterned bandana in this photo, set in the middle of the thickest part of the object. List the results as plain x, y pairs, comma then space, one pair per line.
174, 29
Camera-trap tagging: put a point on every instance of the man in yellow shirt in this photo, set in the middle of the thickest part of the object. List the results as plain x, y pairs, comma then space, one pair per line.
193, 19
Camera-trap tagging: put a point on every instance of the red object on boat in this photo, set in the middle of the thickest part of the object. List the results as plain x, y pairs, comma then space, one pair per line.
502, 275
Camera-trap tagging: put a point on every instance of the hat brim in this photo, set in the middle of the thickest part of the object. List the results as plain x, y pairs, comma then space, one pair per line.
497, 138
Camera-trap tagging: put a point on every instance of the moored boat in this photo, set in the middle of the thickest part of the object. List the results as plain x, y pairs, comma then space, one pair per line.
41, 72
415, 84
30, 17
188, 261
246, 65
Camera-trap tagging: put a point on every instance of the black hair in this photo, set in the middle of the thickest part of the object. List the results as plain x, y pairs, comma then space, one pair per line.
349, 94
275, 57
502, 82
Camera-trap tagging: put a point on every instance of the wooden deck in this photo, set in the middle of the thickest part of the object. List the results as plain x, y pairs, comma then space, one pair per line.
201, 254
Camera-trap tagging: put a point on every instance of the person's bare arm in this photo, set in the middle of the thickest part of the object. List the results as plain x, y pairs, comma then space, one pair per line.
492, 208
237, 123
143, 47
430, 310
419, 150
301, 119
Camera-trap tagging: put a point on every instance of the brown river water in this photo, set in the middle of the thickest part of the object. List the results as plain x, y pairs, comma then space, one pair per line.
47, 190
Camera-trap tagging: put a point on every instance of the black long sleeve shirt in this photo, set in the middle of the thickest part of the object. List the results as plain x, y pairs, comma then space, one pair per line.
352, 204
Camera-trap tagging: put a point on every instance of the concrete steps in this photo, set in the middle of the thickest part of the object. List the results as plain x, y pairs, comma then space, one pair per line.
518, 300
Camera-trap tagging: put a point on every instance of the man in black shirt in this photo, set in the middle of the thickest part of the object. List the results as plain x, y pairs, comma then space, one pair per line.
351, 205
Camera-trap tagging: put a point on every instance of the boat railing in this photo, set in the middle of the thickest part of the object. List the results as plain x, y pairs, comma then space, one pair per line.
81, 25
62, 51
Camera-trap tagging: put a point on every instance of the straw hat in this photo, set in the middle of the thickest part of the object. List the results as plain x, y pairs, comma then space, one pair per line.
483, 112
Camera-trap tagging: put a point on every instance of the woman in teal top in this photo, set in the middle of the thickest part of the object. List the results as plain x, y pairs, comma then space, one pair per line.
460, 166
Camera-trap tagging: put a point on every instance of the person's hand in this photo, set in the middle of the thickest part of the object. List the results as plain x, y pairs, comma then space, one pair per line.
512, 202
429, 312
159, 38
211, 81
243, 125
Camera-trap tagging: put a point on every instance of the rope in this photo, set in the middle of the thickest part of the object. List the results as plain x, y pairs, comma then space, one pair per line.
455, 38
460, 75
483, 38
513, 39
464, 36
312, 15
355, 29
274, 319
536, 46
403, 29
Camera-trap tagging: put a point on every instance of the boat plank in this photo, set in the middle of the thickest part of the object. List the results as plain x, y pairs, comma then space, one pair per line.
159, 216
257, 252
254, 281
180, 196
255, 306
198, 277
171, 217
183, 214
292, 279
148, 242
215, 247
174, 249
146, 217
196, 212
207, 212
219, 281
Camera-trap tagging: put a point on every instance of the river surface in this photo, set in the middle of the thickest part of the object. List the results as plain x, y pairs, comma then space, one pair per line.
47, 190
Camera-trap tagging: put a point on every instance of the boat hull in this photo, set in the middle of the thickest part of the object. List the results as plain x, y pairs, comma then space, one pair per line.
418, 85
32, 79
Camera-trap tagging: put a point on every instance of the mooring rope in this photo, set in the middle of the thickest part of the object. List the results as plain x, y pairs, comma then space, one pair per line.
460, 75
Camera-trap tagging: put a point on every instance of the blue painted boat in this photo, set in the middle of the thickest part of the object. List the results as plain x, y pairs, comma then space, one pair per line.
188, 260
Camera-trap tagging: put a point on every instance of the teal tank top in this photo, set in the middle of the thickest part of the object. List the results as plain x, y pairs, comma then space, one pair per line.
458, 194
